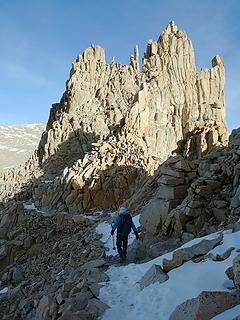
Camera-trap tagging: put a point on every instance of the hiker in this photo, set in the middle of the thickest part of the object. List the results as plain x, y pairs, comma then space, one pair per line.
123, 224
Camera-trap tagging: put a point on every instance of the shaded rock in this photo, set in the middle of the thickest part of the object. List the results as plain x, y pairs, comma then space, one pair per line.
93, 264
236, 271
235, 201
46, 309
220, 214
95, 289
78, 315
172, 193
35, 249
96, 307
82, 298
60, 297
170, 181
157, 248
229, 273
28, 242
82, 220
186, 237
18, 275
236, 227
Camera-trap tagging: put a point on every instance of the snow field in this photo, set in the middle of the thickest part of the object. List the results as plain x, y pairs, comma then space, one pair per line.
157, 301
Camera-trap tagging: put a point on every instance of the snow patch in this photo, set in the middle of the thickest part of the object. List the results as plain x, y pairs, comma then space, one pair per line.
47, 181
157, 301
31, 206
4, 290
104, 229
22, 150
3, 148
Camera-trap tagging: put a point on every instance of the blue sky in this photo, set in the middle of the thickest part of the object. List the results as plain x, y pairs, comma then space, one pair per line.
39, 39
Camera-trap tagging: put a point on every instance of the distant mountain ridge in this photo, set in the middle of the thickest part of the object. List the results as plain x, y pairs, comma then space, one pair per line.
17, 143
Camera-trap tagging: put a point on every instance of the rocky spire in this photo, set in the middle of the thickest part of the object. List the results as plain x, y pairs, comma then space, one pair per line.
134, 64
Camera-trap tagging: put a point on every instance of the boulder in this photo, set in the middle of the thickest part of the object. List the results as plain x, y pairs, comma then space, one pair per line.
220, 214
93, 264
204, 307
236, 227
170, 181
96, 307
186, 237
175, 223
156, 248
236, 271
80, 219
183, 255
172, 193
18, 275
225, 255
235, 201
171, 172
47, 308
154, 214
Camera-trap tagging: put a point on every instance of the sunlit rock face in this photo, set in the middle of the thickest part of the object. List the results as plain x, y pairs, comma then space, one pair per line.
120, 121
155, 107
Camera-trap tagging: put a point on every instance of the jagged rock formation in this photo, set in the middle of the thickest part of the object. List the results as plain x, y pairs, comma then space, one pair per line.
116, 124
156, 107
114, 120
97, 98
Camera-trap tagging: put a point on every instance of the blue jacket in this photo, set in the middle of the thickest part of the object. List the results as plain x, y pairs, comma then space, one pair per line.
118, 220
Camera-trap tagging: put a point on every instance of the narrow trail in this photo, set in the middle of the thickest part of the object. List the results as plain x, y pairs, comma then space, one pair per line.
157, 301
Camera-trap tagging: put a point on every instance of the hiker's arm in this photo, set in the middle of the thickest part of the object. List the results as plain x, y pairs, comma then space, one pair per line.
116, 223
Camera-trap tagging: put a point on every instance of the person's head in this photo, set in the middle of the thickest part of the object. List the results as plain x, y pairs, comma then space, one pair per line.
122, 210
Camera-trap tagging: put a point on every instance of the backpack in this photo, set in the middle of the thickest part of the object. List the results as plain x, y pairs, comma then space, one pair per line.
125, 225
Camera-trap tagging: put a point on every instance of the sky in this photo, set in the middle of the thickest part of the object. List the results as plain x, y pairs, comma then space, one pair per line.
39, 39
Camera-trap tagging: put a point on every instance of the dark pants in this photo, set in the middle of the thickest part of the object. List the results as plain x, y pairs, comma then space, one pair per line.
122, 243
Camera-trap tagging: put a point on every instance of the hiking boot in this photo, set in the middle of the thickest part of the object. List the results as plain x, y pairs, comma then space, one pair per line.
122, 260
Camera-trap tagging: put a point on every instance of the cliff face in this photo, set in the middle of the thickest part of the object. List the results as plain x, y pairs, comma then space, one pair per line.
97, 98
116, 124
